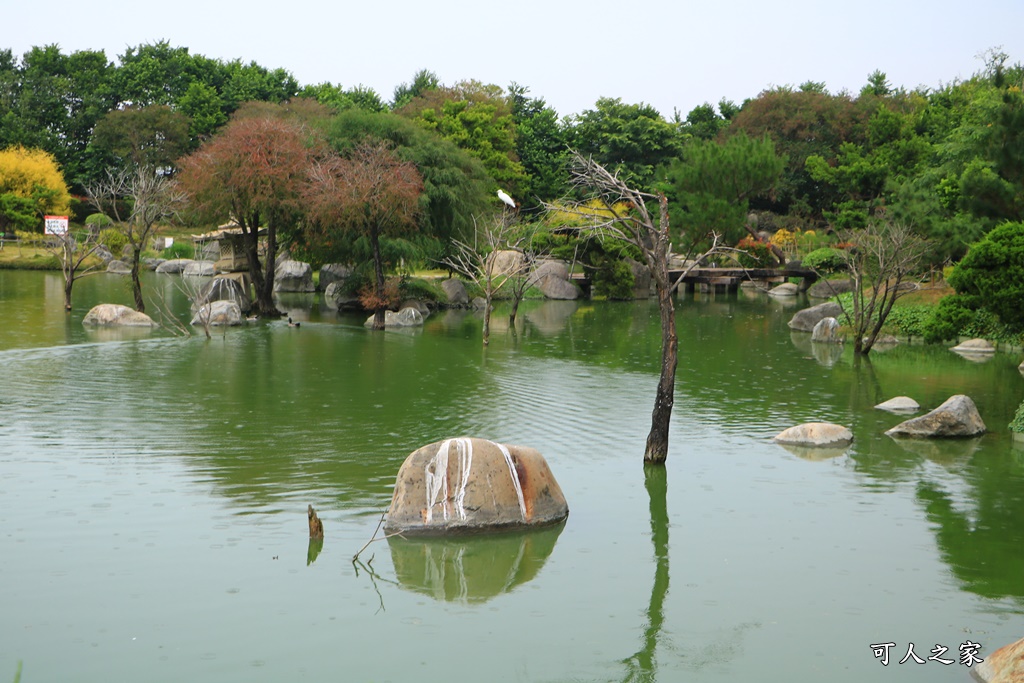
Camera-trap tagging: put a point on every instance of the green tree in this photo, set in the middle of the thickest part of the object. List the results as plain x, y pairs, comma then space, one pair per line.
340, 99
154, 136
541, 145
631, 139
477, 117
711, 185
423, 81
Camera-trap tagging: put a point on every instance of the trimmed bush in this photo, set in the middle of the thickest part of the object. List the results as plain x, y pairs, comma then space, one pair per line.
179, 250
993, 273
114, 240
825, 260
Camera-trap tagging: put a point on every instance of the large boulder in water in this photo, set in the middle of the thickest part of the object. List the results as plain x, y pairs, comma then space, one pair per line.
223, 289
827, 332
293, 276
221, 312
805, 320
407, 317
117, 314
957, 417
174, 266
469, 485
1005, 665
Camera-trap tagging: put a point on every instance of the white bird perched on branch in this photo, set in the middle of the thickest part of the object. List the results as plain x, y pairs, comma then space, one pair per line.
505, 198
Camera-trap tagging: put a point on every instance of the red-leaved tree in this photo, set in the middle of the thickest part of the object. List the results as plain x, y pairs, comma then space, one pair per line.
253, 172
371, 193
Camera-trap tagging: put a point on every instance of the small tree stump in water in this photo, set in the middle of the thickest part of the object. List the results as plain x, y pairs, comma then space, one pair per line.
316, 527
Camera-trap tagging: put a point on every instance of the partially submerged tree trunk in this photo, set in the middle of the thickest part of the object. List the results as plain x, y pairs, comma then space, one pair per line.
379, 309
635, 226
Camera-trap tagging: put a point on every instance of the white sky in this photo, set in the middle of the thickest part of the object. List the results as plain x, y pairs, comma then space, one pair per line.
673, 54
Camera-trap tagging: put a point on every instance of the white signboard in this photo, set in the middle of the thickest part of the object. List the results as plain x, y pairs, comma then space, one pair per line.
56, 225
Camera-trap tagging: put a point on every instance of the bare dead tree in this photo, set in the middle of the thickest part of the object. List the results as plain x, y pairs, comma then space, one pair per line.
636, 226
884, 256
72, 254
479, 260
137, 198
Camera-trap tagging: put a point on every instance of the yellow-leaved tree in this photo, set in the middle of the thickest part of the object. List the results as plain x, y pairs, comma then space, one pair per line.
31, 186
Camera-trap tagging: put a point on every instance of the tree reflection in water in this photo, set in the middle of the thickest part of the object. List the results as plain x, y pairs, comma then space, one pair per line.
642, 666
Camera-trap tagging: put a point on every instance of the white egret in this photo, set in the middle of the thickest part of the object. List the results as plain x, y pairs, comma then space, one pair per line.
505, 198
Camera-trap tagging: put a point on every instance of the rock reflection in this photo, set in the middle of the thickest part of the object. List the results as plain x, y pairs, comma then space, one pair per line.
551, 317
815, 453
471, 569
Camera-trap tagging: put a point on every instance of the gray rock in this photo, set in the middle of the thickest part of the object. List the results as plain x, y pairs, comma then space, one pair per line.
341, 300
827, 331
508, 262
478, 303
293, 276
118, 267
116, 314
222, 312
223, 289
641, 277
975, 346
418, 305
174, 266
957, 417
455, 290
407, 317
551, 277
152, 263
899, 404
815, 434
333, 272
806, 319
199, 269
471, 485
786, 289
826, 289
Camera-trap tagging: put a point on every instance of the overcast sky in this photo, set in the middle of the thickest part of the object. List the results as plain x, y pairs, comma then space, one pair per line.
673, 54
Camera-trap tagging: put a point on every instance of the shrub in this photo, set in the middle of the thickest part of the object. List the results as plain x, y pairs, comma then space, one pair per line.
418, 288
114, 240
1017, 423
754, 253
949, 319
993, 271
614, 280
179, 250
909, 321
825, 260
98, 221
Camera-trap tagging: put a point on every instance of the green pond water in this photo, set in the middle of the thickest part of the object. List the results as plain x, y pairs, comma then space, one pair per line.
153, 495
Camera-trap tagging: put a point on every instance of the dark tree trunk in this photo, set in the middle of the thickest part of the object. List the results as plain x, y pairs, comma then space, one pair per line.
657, 260
140, 305
512, 314
657, 440
69, 283
378, 275
266, 295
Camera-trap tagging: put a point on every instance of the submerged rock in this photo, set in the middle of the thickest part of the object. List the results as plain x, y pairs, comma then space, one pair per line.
117, 314
407, 317
899, 404
975, 347
957, 417
469, 485
785, 289
815, 434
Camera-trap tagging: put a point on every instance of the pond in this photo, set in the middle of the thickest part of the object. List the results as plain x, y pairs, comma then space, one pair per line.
153, 495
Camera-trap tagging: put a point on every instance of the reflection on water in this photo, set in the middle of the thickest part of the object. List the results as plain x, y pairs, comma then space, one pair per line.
471, 569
